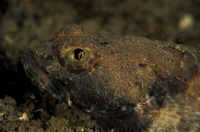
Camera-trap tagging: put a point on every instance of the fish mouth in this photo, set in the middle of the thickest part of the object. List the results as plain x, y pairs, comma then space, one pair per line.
41, 78
30, 65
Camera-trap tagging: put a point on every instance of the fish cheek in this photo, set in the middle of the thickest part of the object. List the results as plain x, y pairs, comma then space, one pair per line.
94, 95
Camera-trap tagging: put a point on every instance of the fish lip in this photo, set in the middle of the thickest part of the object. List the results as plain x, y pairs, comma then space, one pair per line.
34, 71
29, 62
41, 78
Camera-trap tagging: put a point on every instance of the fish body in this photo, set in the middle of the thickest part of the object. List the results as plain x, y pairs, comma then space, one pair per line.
128, 83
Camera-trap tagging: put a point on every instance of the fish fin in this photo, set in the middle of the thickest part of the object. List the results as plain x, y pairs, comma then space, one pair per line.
126, 123
179, 114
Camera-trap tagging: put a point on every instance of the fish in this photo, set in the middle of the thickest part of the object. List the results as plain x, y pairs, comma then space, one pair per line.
128, 83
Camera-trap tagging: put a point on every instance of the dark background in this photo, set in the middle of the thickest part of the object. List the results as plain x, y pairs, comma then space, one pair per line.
24, 24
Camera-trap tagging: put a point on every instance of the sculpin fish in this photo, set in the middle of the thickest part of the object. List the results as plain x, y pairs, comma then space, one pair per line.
129, 83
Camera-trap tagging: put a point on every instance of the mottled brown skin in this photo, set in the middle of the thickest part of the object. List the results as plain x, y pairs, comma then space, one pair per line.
129, 83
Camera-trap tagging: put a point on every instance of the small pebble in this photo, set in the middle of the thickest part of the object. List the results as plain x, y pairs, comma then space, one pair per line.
24, 117
186, 22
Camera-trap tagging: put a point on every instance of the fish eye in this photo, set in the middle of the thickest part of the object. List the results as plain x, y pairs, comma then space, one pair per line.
76, 57
77, 54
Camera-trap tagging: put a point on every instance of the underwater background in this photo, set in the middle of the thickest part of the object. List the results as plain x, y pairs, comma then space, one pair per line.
24, 24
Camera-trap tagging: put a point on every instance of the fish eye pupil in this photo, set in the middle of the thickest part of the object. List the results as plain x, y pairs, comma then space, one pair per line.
78, 54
